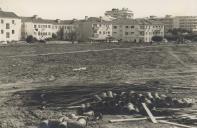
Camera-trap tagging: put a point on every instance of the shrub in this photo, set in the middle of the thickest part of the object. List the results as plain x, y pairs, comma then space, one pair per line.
30, 39
157, 38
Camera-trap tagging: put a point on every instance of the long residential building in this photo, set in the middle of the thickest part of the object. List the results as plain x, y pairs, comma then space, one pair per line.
94, 29
138, 30
10, 26
44, 28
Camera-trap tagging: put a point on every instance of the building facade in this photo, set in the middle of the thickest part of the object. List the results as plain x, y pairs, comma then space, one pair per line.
138, 30
10, 27
124, 13
186, 22
43, 29
94, 29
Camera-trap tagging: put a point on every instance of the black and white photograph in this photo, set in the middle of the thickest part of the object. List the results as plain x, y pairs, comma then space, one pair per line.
98, 63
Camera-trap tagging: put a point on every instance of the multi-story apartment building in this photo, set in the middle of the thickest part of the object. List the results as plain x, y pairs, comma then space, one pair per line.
94, 29
138, 30
179, 22
44, 28
10, 27
125, 13
186, 22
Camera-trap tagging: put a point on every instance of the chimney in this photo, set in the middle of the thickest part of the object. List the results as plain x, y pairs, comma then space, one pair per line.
86, 18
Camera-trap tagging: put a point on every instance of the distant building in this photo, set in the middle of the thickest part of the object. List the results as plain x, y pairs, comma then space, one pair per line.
179, 22
44, 28
186, 22
125, 13
10, 26
168, 22
94, 29
138, 30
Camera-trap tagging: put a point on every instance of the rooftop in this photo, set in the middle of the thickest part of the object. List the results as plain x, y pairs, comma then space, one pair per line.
136, 22
8, 15
36, 19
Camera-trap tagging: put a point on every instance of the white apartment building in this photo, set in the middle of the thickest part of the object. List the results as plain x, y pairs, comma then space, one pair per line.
94, 29
10, 27
138, 30
44, 28
124, 13
185, 22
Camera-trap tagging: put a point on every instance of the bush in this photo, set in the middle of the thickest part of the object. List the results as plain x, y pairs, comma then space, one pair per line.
157, 38
30, 39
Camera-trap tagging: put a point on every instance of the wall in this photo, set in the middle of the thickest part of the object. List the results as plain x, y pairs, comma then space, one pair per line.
16, 27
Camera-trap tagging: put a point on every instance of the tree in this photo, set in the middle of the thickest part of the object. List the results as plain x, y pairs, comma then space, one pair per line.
157, 38
72, 36
30, 39
54, 36
60, 34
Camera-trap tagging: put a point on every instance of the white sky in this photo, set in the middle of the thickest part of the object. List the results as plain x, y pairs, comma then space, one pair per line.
68, 9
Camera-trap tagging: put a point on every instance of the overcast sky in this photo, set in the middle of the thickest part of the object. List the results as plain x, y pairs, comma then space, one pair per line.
68, 9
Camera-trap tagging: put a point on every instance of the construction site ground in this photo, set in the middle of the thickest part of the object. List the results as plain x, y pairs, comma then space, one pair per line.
27, 71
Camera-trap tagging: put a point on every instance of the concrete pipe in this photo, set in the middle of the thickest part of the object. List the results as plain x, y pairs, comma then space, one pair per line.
110, 94
97, 98
104, 95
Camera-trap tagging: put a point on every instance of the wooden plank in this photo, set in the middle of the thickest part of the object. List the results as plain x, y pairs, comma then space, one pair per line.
176, 124
149, 113
133, 119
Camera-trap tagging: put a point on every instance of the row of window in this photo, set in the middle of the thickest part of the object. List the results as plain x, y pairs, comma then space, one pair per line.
141, 33
53, 27
104, 32
141, 27
100, 25
2, 31
2, 21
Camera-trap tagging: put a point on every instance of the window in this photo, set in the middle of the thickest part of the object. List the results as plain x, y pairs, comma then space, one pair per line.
126, 33
142, 33
109, 33
103, 32
38, 26
7, 35
13, 32
115, 32
49, 33
2, 21
132, 33
7, 26
100, 32
115, 27
35, 26
49, 26
13, 22
2, 31
132, 26
126, 26
65, 27
39, 33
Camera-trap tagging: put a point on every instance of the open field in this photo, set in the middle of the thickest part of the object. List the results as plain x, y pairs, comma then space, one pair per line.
27, 71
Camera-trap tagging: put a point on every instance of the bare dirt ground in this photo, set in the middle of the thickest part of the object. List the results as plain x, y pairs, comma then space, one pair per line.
27, 71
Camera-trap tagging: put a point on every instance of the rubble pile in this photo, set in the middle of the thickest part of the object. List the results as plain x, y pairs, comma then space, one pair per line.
127, 103
130, 103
